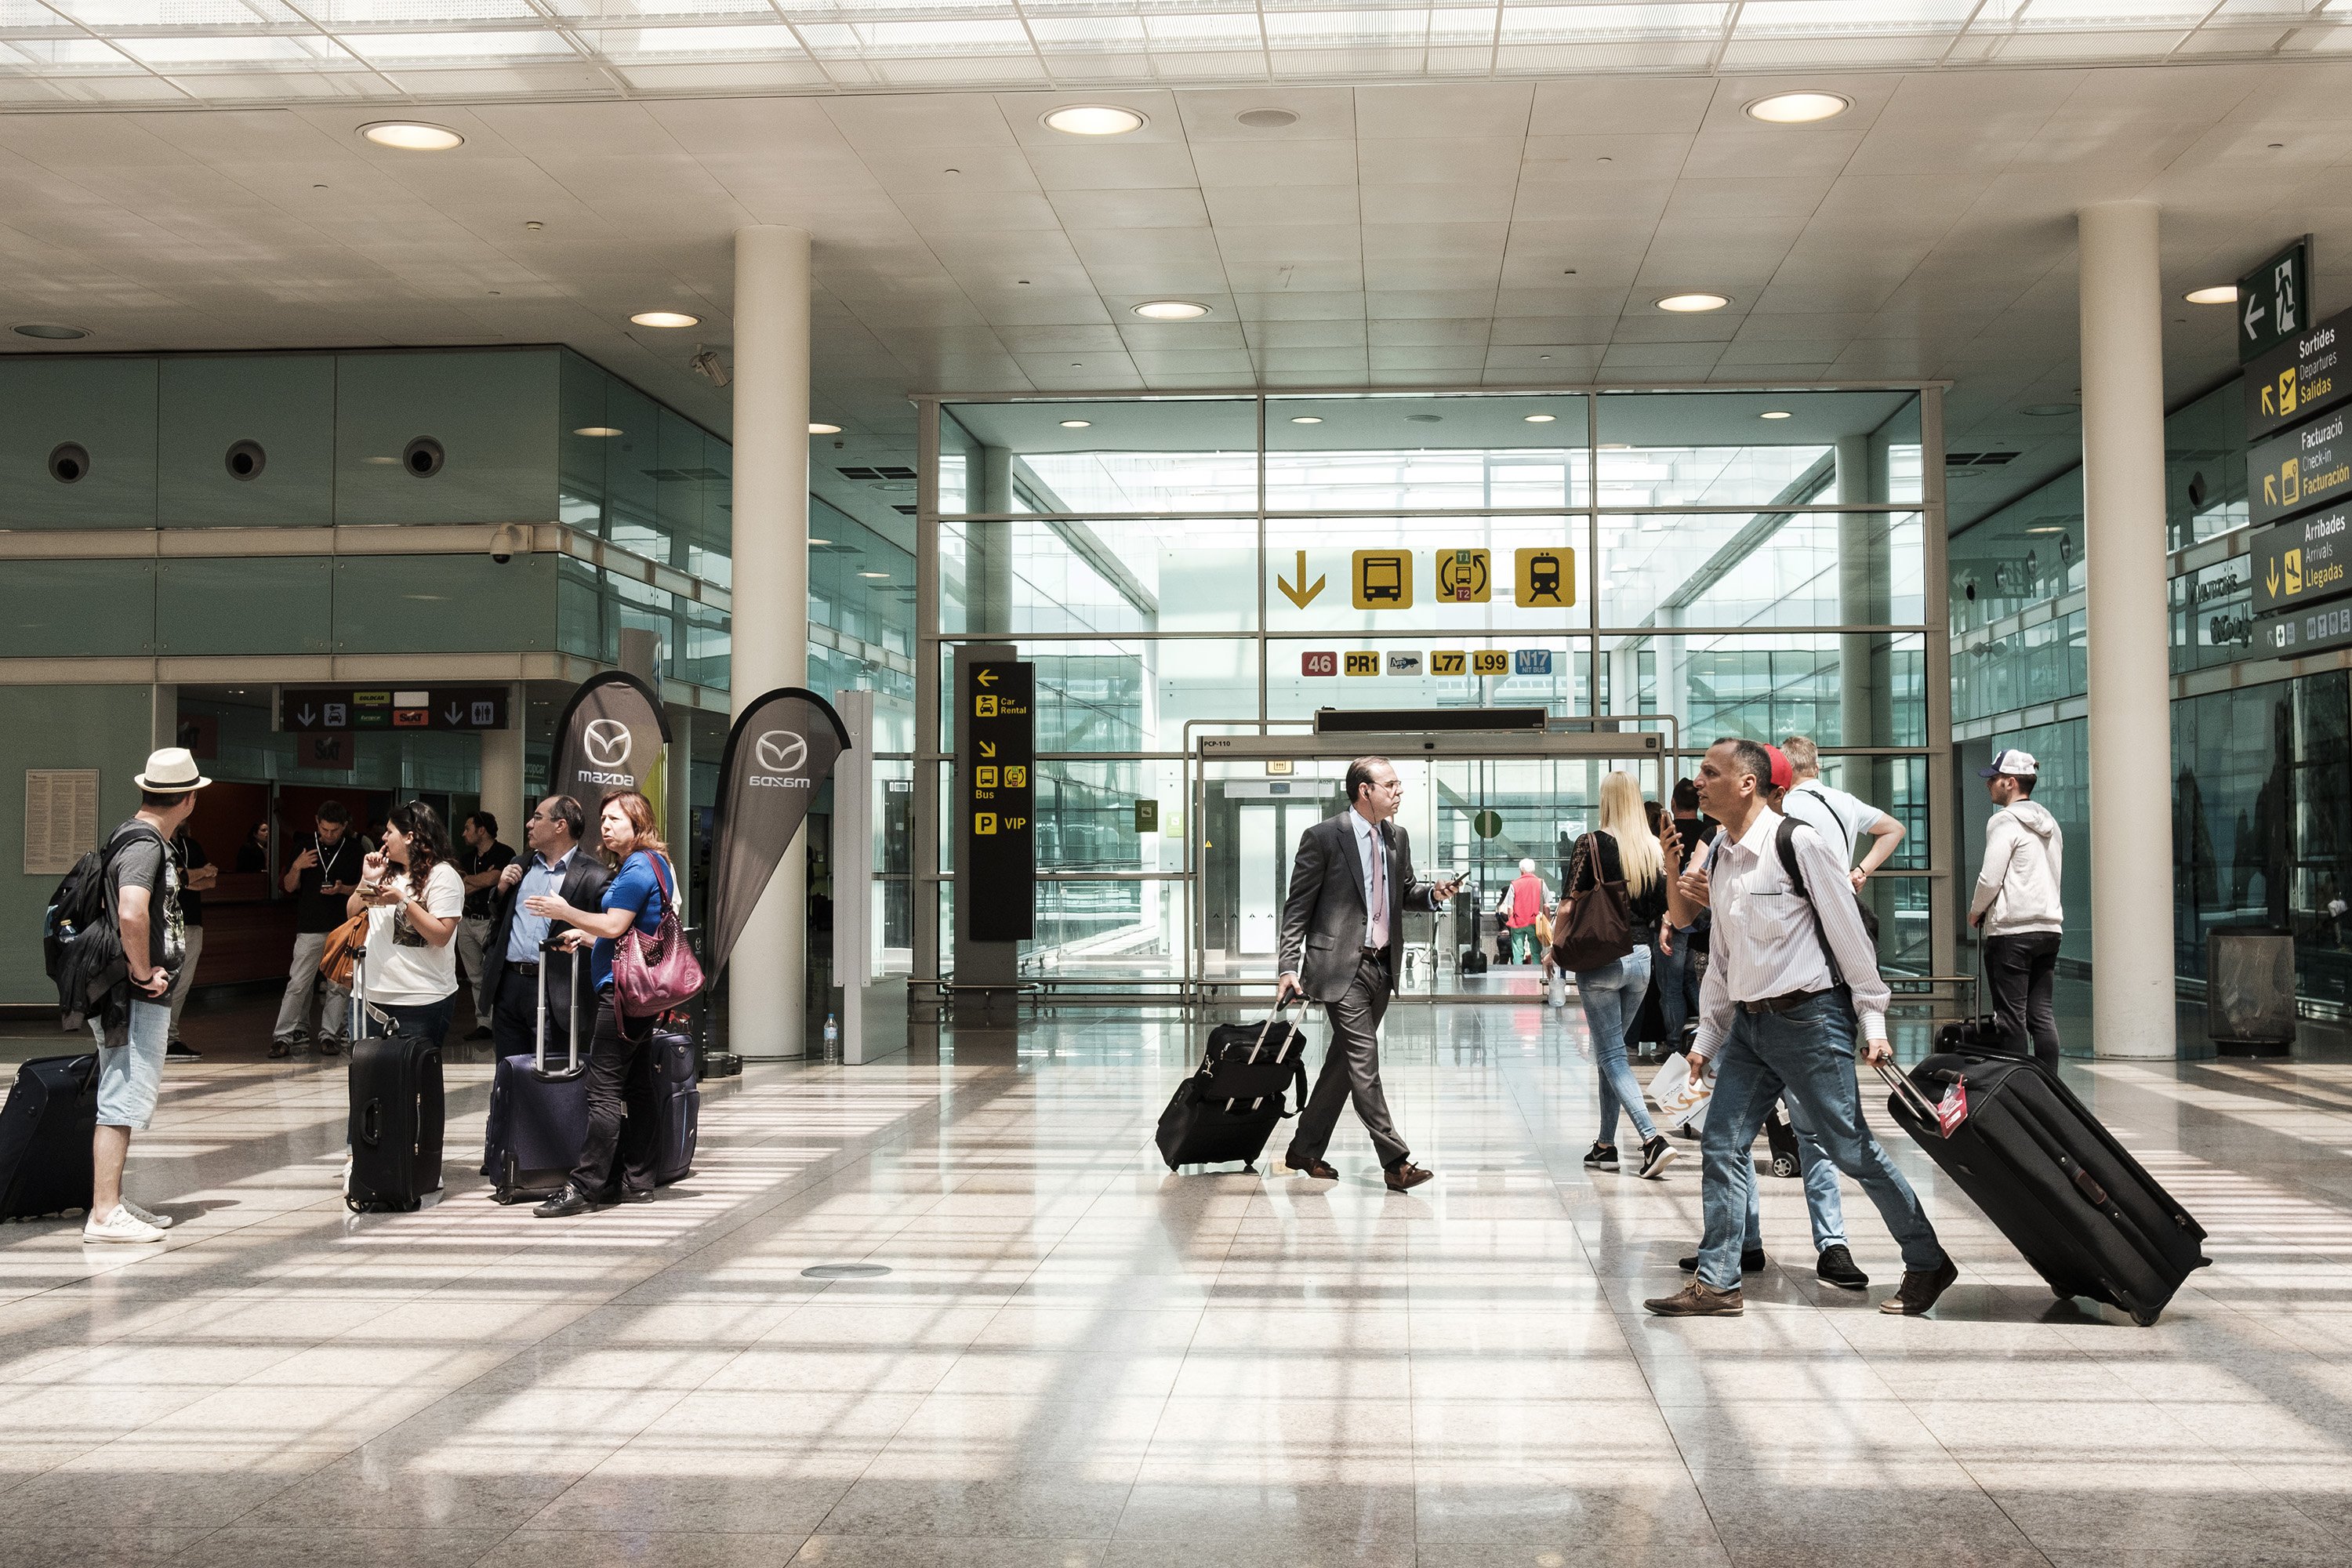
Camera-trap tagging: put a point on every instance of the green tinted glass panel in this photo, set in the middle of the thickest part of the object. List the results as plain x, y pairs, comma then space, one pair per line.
492, 414
240, 605
70, 609
445, 604
581, 442
630, 459
283, 405
104, 408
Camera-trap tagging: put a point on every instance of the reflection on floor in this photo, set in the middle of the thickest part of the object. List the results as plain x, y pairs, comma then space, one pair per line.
1078, 1358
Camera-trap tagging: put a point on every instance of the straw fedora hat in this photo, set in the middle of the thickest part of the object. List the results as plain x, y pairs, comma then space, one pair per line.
172, 771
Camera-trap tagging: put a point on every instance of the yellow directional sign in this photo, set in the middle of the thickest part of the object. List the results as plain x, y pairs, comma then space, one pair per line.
1362, 663
1448, 661
1490, 661
1382, 579
1464, 577
1545, 577
1297, 590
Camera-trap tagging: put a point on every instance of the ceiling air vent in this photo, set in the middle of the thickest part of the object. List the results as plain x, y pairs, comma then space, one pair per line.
883, 471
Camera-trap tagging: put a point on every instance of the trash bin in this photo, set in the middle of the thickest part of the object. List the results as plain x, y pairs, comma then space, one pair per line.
2250, 990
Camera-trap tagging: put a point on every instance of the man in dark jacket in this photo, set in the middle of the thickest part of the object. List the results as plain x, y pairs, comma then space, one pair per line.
558, 863
1341, 925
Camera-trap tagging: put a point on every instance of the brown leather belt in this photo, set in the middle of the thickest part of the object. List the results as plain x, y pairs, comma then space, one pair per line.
1787, 1002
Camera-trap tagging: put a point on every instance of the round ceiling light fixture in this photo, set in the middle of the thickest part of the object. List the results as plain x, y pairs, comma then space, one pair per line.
413, 136
877, 576
667, 319
1804, 108
54, 331
2219, 294
1774, 413
2049, 410
1541, 419
1688, 304
1307, 419
818, 427
1267, 119
1171, 310
1077, 424
1092, 119
599, 430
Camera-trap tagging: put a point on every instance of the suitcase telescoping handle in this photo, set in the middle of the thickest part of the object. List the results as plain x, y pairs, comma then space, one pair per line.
547, 946
1908, 1093
1271, 1019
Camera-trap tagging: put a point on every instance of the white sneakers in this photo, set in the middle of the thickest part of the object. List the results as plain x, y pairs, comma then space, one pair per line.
160, 1221
122, 1225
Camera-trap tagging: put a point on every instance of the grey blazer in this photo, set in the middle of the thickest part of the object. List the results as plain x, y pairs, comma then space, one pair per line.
1325, 916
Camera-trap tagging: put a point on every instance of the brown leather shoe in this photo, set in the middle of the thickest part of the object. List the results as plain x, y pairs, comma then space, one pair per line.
1919, 1291
1404, 1175
1699, 1300
1315, 1168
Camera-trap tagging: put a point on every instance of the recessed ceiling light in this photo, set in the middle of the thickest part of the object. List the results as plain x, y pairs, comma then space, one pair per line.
876, 575
2219, 294
1693, 302
2050, 528
820, 542
597, 430
56, 330
818, 428
1305, 419
412, 136
1267, 119
1774, 413
379, 460
2049, 410
1541, 419
1799, 108
1616, 446
1092, 119
1077, 424
1171, 309
666, 319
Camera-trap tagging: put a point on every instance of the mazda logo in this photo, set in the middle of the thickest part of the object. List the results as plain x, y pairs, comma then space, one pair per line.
782, 751
607, 742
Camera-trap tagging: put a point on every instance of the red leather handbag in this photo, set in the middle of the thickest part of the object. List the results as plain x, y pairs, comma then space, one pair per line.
653, 974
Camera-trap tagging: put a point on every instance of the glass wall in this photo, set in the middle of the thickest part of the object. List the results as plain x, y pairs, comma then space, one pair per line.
1745, 562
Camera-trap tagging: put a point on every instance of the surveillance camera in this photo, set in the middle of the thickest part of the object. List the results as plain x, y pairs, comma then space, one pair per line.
508, 542
706, 364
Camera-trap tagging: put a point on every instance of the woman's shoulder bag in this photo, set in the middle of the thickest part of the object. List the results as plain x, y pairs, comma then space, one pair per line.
1595, 928
653, 974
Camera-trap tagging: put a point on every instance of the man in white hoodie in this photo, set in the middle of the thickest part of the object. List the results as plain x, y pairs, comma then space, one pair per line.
2017, 905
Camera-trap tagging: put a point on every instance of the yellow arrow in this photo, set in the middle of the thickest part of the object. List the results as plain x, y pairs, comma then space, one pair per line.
1302, 597
987, 676
988, 748
2269, 577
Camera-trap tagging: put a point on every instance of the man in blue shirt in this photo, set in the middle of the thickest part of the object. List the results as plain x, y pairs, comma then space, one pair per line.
557, 863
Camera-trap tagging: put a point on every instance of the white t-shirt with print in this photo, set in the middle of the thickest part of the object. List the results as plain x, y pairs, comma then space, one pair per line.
402, 966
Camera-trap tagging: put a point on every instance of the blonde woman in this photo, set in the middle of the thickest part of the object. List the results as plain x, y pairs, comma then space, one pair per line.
1622, 848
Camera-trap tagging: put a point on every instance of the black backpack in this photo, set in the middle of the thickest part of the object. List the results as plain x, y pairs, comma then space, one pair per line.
1784, 842
80, 938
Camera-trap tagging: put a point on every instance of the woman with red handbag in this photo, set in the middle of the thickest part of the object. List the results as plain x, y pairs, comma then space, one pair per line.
639, 962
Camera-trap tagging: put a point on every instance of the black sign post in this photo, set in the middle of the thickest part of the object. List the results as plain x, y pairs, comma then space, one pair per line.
996, 753
2274, 302
335, 709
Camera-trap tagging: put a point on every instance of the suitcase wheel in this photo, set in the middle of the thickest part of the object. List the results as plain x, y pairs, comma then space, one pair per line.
2144, 1319
2062, 1292
1783, 1165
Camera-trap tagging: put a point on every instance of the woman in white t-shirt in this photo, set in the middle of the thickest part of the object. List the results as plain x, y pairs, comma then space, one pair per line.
414, 897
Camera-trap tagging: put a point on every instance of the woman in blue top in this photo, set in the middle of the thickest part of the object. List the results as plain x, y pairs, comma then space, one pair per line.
620, 1068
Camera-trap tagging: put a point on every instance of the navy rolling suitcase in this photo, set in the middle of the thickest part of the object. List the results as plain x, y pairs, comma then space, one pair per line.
1230, 1106
44, 1136
677, 1093
396, 1116
539, 1113
2066, 1194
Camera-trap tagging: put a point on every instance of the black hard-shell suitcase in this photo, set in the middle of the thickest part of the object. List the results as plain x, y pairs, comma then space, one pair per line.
1230, 1106
1979, 1034
397, 1113
538, 1113
678, 1095
2056, 1182
44, 1136
1781, 1134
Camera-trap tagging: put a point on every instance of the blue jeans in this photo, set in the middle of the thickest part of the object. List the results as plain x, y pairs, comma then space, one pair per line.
1822, 1203
1612, 1001
1808, 1052
1678, 992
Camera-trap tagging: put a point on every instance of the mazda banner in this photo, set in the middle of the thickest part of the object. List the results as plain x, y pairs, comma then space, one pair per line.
610, 736
781, 749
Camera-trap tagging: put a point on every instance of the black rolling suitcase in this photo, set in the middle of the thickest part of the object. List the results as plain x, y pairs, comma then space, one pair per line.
1780, 1134
1979, 1034
397, 1114
678, 1098
1228, 1109
538, 1114
2055, 1181
44, 1136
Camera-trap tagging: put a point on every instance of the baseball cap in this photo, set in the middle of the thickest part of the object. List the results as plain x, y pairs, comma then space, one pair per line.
2016, 763
1784, 772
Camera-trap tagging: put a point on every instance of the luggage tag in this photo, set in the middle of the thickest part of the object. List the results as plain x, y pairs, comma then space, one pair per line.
1953, 1108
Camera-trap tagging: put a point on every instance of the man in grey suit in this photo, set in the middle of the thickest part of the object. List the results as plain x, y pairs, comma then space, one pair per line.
1350, 887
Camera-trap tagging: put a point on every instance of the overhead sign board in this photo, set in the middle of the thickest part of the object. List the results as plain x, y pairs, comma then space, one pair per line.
996, 753
2303, 376
2302, 562
2304, 631
338, 708
2273, 300
2300, 469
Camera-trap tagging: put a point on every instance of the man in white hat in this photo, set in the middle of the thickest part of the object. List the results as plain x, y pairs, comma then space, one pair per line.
2017, 905
133, 1024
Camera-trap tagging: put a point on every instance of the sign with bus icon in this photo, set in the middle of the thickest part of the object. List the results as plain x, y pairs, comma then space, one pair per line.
1382, 579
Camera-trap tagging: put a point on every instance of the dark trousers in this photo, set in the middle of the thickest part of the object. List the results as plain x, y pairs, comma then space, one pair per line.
622, 1104
2023, 971
1351, 1070
514, 1017
426, 1020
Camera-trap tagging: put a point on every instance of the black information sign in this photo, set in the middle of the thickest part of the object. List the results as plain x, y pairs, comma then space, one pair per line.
997, 752
2273, 300
2306, 631
2302, 562
2299, 469
338, 708
2300, 377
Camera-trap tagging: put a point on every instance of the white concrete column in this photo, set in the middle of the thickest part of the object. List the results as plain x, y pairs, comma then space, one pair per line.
2130, 851
768, 975
501, 769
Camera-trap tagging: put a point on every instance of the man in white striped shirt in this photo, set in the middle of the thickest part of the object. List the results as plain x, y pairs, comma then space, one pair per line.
1793, 980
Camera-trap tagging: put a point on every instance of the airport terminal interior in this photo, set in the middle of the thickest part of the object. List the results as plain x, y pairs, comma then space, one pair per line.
1124, 417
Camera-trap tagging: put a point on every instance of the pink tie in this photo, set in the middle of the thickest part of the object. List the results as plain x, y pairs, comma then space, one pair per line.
1375, 934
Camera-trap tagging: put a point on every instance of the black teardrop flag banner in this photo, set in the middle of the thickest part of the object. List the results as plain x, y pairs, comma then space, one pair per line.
610, 736
782, 747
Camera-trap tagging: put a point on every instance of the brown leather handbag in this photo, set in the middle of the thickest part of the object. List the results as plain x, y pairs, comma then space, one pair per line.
343, 944
1595, 928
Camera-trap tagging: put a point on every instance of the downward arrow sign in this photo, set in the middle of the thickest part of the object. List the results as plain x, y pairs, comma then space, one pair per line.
453, 713
988, 748
1298, 592
2270, 577
305, 716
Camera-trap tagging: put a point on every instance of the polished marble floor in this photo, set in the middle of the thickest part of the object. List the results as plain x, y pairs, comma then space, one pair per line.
1078, 1359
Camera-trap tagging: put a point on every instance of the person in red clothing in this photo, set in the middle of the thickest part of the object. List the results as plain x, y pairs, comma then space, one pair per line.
1523, 902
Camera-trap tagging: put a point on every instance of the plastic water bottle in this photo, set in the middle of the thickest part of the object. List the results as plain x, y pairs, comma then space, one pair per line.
832, 1039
